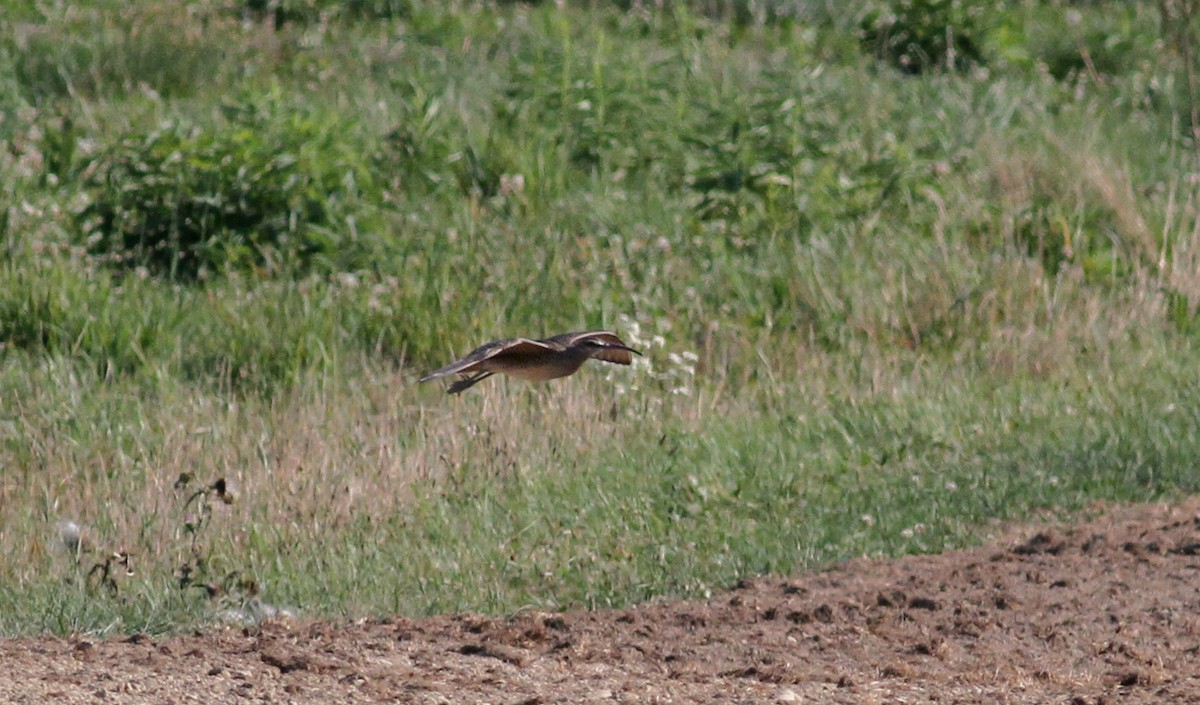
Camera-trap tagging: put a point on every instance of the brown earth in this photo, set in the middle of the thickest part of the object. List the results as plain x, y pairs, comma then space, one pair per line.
1103, 612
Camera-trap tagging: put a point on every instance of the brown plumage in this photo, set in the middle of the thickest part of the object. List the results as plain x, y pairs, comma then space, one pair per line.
535, 360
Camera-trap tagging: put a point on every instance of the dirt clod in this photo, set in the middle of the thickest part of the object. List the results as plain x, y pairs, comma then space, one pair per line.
286, 663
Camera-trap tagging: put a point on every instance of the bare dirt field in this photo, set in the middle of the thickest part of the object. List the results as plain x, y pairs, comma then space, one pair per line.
1103, 612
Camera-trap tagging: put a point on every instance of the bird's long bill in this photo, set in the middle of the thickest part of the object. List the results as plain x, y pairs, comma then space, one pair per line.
618, 346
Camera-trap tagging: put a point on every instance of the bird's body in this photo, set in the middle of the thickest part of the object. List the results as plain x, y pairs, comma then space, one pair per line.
536, 360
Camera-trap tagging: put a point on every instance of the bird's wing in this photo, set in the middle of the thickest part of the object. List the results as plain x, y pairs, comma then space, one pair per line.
617, 355
569, 339
523, 347
485, 352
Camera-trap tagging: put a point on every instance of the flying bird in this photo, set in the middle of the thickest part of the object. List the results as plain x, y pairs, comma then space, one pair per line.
535, 360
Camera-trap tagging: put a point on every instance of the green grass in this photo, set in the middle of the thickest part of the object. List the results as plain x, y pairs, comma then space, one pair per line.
882, 309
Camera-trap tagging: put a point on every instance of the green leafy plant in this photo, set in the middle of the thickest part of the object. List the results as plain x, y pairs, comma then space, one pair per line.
126, 48
1099, 40
306, 12
918, 35
273, 190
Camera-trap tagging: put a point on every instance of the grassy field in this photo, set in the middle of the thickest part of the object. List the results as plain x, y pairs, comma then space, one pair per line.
891, 291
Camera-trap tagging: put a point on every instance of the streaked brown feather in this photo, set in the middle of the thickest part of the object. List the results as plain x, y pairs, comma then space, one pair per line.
614, 355
487, 351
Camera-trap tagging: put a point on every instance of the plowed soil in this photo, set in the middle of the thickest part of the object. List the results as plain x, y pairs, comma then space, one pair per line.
1103, 612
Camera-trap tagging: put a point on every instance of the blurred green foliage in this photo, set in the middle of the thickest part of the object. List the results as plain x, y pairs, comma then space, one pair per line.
270, 189
919, 35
